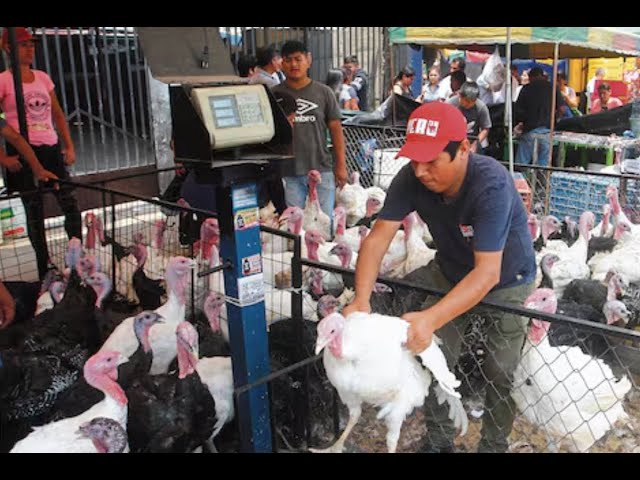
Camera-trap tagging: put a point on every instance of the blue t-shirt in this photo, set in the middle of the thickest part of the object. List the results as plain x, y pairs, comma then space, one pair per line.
487, 216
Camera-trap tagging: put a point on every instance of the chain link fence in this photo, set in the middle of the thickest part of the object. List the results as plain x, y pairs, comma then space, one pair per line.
574, 389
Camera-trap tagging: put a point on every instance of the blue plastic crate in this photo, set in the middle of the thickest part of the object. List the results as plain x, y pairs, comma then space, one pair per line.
573, 193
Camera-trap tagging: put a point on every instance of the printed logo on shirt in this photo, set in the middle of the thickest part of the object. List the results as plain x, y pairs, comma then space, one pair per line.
38, 107
466, 230
305, 106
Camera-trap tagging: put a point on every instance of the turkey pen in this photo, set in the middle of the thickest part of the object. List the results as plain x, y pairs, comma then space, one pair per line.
575, 388
305, 410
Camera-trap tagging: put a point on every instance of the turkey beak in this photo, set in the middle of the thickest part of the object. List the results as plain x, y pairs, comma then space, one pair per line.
320, 344
82, 430
624, 316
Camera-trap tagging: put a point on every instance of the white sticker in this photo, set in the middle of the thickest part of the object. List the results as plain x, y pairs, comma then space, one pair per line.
250, 290
244, 197
251, 265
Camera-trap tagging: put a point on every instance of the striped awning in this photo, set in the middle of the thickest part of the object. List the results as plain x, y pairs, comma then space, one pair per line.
528, 42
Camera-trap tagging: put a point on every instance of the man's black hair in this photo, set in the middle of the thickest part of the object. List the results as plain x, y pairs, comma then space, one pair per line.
460, 61
245, 63
452, 148
604, 86
293, 46
264, 55
536, 72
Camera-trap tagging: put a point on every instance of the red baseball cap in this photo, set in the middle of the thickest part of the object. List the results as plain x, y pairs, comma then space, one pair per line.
430, 129
22, 35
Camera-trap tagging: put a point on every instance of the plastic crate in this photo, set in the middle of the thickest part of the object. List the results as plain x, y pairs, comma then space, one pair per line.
523, 189
574, 193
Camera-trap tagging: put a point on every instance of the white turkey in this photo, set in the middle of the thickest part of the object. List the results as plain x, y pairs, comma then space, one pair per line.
573, 261
314, 217
366, 361
353, 197
162, 336
573, 396
101, 372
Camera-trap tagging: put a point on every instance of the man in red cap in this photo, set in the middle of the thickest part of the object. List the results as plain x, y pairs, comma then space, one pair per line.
484, 251
49, 136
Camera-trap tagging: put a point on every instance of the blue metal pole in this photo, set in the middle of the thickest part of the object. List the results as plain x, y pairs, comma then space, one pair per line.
415, 59
237, 207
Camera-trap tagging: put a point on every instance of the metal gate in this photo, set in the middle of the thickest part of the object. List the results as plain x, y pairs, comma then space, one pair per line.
328, 46
101, 82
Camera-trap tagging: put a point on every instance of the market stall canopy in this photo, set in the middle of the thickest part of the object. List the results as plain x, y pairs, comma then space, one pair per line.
527, 42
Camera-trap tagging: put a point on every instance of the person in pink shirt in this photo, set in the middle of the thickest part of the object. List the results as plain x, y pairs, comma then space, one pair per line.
605, 101
46, 126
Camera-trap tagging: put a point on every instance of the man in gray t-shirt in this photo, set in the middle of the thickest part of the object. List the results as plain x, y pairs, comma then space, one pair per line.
475, 112
317, 111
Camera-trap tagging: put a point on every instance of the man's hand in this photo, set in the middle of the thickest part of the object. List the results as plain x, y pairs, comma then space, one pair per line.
45, 175
69, 156
356, 306
420, 331
11, 163
7, 307
341, 175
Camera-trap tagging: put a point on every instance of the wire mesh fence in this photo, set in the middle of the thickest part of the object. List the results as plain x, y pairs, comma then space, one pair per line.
370, 151
573, 387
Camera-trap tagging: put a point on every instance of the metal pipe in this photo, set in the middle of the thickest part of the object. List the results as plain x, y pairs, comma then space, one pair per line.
74, 82
301, 417
509, 101
505, 307
96, 68
17, 83
556, 51
123, 117
141, 99
132, 104
113, 236
61, 81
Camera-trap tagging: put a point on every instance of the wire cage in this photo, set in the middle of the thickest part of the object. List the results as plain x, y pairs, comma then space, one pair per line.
371, 152
576, 391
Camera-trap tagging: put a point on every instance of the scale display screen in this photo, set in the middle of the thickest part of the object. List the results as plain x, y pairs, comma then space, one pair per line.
235, 115
236, 110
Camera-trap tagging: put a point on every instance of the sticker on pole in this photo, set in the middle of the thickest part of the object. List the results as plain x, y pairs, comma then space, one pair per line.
244, 197
250, 290
251, 265
246, 218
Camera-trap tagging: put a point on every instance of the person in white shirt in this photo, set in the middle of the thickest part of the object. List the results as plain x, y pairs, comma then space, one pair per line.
269, 64
431, 88
457, 64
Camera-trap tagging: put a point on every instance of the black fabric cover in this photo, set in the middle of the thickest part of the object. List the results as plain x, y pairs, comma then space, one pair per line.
387, 114
602, 123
